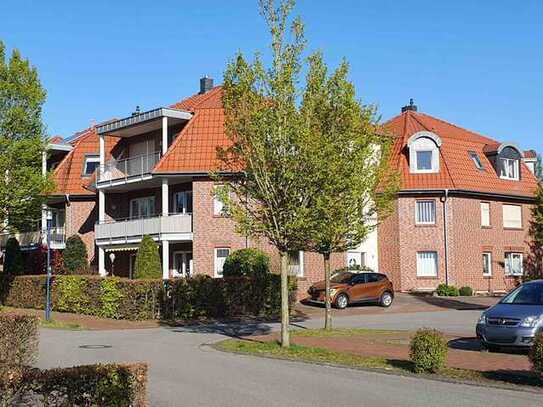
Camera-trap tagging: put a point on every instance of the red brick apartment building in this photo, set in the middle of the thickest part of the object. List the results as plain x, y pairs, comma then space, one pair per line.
463, 210
147, 174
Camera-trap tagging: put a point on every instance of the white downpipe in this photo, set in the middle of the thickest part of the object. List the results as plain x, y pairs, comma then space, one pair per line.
102, 155
164, 135
101, 262
101, 206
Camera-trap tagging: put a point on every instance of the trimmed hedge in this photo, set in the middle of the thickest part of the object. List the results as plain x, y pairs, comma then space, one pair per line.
197, 297
148, 260
92, 385
465, 291
13, 258
75, 257
428, 351
18, 339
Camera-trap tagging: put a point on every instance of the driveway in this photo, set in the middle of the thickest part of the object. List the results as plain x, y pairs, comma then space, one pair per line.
186, 372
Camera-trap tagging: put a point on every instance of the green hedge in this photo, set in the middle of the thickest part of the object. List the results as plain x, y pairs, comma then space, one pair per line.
92, 385
428, 351
119, 298
18, 339
444, 290
248, 262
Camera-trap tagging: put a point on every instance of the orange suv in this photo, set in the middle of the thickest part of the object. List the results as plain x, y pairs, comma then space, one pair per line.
347, 287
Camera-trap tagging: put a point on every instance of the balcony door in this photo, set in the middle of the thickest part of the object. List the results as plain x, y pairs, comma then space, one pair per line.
182, 262
182, 202
142, 207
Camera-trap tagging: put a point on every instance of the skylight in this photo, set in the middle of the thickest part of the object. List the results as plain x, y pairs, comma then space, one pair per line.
476, 160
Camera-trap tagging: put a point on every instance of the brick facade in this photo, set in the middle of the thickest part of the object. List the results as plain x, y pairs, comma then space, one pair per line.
400, 238
81, 215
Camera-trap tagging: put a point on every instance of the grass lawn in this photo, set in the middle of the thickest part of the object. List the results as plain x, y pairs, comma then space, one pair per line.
54, 324
311, 354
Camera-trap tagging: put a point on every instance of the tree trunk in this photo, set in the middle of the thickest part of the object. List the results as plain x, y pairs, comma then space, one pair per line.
285, 340
327, 301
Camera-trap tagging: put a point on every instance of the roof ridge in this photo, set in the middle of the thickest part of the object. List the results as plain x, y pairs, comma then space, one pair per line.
458, 127
201, 98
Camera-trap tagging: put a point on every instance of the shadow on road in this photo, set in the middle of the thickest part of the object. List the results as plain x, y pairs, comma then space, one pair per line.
474, 344
464, 304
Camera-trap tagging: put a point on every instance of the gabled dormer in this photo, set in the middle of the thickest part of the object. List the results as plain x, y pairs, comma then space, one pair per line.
505, 159
424, 152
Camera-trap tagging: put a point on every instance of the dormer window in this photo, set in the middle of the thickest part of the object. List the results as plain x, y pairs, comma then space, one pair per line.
91, 163
424, 152
509, 168
476, 160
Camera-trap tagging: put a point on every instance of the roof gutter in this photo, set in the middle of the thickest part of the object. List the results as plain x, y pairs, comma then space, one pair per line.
467, 192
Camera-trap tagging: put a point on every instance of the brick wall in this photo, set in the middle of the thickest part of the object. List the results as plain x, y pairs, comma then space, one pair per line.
81, 215
400, 239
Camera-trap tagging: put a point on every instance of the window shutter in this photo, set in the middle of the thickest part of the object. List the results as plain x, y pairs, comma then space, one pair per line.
485, 214
426, 264
512, 216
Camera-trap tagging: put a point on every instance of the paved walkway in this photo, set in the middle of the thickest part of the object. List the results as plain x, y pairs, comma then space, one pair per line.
185, 372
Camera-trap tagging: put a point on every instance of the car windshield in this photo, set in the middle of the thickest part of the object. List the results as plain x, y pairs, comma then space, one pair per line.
527, 294
342, 277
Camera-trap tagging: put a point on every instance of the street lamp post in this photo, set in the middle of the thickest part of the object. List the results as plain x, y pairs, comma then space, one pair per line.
112, 259
48, 287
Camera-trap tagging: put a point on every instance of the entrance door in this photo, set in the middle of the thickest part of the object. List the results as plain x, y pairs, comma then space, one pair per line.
182, 262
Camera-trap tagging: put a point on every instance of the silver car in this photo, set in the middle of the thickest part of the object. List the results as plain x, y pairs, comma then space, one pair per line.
515, 320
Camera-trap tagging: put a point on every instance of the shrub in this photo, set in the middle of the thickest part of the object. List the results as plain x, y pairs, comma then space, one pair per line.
18, 339
121, 298
428, 351
148, 260
57, 262
246, 263
444, 290
75, 256
465, 291
536, 354
97, 385
13, 260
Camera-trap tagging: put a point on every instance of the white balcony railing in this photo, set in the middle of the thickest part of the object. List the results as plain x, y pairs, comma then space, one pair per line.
129, 167
131, 229
57, 237
35, 237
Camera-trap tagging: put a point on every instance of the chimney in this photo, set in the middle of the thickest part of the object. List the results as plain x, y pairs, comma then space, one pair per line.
411, 106
136, 112
206, 83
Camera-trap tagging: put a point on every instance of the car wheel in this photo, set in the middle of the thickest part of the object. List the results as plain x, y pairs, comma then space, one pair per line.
386, 299
341, 301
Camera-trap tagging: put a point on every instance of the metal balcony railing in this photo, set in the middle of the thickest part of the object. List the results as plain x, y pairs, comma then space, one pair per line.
129, 167
124, 230
57, 236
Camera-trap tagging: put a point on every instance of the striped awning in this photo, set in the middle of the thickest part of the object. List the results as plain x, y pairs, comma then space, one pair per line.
121, 248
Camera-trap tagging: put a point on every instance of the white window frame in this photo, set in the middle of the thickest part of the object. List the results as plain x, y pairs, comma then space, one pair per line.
186, 198
420, 273
507, 262
509, 224
488, 222
91, 158
505, 168
300, 266
141, 199
216, 271
424, 141
487, 255
418, 220
359, 258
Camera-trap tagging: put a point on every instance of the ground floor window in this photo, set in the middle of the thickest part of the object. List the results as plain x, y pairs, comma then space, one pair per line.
513, 264
356, 259
182, 264
427, 264
296, 263
221, 253
487, 264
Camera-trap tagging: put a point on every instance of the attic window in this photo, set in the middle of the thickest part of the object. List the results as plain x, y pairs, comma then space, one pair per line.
476, 160
91, 163
424, 152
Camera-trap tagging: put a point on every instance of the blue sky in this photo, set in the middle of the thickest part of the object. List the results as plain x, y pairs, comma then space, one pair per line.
477, 64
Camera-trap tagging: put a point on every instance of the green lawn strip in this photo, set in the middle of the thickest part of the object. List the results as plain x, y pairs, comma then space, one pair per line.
53, 324
322, 333
404, 367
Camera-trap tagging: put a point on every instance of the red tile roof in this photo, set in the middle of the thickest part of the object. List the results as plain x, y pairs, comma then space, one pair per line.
530, 154
194, 149
68, 174
457, 169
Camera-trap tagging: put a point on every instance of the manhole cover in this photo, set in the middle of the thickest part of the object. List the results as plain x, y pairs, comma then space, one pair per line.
95, 346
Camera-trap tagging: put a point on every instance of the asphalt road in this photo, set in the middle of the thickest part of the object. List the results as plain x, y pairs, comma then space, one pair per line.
186, 372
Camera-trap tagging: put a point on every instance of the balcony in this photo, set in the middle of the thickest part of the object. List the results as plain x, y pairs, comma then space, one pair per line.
57, 238
33, 239
176, 227
132, 168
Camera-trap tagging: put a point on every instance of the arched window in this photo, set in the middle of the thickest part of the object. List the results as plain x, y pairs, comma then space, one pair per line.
508, 163
424, 152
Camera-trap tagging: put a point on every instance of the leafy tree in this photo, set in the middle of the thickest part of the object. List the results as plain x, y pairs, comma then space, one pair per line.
13, 258
75, 256
538, 170
265, 127
534, 262
246, 263
346, 164
148, 260
21, 143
